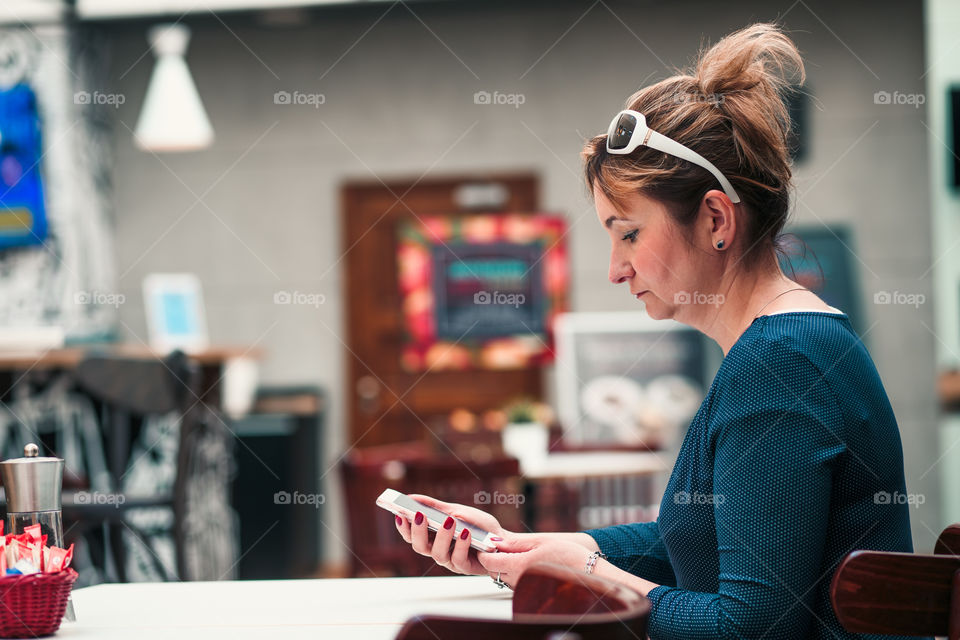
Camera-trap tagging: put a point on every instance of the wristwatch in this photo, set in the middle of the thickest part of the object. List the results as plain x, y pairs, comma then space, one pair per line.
592, 561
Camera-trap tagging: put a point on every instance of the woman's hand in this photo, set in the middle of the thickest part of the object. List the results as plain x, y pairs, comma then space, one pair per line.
454, 555
518, 552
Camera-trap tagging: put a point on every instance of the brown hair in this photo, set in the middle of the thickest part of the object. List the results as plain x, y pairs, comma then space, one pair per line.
730, 109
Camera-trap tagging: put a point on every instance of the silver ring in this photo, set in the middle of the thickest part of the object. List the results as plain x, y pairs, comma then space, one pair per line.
497, 581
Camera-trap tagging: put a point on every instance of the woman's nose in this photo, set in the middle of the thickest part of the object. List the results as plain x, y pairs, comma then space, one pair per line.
620, 272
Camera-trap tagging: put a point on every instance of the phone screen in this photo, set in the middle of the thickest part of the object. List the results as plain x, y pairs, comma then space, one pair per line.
407, 502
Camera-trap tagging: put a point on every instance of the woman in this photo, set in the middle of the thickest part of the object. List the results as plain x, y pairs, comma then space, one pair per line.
794, 458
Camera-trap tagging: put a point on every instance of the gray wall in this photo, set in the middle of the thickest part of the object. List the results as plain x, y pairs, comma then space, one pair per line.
943, 21
399, 102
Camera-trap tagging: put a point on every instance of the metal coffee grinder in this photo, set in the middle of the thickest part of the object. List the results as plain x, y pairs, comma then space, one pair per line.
33, 487
32, 484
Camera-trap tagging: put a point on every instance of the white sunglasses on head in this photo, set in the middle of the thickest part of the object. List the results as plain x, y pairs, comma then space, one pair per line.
628, 130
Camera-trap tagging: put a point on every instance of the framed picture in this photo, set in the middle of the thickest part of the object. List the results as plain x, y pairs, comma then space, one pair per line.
481, 291
822, 259
626, 380
175, 312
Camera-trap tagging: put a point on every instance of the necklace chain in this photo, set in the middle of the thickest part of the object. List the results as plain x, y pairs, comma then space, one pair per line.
757, 315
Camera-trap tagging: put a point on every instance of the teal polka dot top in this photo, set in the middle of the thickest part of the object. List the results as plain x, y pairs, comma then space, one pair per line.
793, 460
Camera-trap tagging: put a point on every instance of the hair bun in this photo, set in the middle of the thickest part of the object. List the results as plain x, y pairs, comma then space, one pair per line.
757, 57
748, 74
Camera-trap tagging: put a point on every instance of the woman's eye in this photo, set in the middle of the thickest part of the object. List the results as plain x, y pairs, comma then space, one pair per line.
632, 235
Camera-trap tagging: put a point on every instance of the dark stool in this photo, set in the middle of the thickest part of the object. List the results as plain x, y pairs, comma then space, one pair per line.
276, 490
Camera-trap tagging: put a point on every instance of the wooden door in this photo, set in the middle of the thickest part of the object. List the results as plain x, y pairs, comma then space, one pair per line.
386, 403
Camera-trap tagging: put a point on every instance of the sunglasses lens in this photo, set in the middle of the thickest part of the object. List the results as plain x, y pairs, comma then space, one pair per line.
623, 132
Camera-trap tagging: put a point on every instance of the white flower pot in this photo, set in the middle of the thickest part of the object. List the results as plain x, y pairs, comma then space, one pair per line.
528, 442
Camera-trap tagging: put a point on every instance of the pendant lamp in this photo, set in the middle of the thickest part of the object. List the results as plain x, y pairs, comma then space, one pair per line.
172, 117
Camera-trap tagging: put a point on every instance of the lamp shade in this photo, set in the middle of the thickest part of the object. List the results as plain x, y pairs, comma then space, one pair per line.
172, 117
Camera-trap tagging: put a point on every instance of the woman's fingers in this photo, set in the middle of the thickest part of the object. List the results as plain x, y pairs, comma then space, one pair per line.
500, 566
442, 541
517, 544
403, 526
494, 562
419, 536
460, 558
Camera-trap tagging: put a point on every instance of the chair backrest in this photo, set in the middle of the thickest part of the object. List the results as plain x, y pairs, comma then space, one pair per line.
550, 603
135, 387
551, 589
138, 385
901, 594
949, 541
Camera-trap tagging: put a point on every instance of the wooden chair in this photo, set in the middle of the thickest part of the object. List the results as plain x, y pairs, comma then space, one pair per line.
949, 541
902, 594
376, 549
129, 390
550, 602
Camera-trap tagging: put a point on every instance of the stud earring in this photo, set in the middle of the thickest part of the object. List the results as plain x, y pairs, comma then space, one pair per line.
719, 244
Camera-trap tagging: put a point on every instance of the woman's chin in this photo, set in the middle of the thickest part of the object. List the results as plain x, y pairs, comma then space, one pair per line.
657, 310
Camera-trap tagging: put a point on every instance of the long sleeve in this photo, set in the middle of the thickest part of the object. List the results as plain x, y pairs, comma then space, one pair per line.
775, 433
775, 482
638, 549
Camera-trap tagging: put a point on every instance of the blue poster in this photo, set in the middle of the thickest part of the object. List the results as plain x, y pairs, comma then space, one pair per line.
23, 219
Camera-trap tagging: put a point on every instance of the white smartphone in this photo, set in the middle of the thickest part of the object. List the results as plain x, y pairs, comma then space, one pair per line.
403, 505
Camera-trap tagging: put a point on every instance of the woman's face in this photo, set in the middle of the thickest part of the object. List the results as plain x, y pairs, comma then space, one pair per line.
651, 256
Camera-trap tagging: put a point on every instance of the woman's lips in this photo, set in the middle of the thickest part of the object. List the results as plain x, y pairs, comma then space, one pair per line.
637, 295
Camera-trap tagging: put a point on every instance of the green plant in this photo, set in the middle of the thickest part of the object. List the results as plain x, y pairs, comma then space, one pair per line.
528, 410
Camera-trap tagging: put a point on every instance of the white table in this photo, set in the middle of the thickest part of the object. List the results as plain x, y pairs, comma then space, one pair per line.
608, 481
595, 464
361, 608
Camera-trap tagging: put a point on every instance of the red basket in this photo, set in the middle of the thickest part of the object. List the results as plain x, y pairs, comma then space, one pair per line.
33, 605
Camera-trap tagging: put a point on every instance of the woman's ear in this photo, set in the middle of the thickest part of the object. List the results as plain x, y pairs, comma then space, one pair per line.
720, 216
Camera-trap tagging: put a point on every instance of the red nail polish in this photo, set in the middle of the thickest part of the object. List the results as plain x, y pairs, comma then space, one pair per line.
418, 519
448, 523
496, 538
399, 520
465, 534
